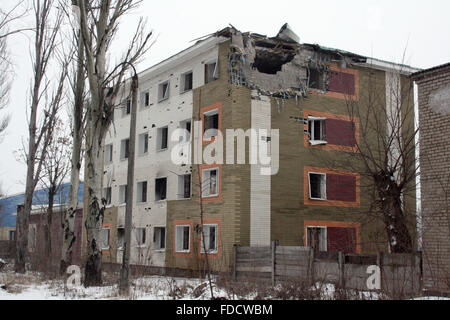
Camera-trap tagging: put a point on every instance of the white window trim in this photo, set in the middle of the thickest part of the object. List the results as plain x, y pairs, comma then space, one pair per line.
189, 238
309, 185
202, 250
217, 182
166, 96
182, 81
311, 137
139, 194
141, 153
326, 235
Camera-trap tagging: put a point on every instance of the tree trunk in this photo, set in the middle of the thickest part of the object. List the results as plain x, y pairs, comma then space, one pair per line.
395, 221
95, 210
21, 239
47, 229
70, 215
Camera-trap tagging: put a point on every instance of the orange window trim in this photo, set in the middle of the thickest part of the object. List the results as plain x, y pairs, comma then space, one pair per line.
335, 203
107, 226
216, 221
219, 196
206, 109
313, 113
191, 237
338, 95
334, 224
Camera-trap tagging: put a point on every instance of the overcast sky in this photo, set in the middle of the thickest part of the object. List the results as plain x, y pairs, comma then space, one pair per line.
380, 29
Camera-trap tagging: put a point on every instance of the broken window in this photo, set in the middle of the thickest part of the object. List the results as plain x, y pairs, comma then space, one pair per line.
107, 195
186, 81
316, 238
122, 193
316, 130
140, 236
317, 186
182, 238
184, 186
268, 61
160, 189
316, 79
120, 238
143, 143
142, 191
124, 149
210, 238
161, 143
163, 91
211, 72
159, 238
145, 99
105, 234
108, 153
211, 123
210, 182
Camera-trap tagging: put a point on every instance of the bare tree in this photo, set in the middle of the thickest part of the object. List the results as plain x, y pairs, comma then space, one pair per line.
99, 22
55, 169
48, 19
385, 155
78, 117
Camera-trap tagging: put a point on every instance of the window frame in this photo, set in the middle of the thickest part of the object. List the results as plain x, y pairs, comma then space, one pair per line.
109, 238
109, 151
215, 72
106, 193
124, 150
125, 188
181, 179
160, 178
158, 241
324, 185
140, 192
217, 169
140, 244
210, 251
207, 114
162, 96
325, 236
126, 111
176, 239
183, 81
143, 140
311, 130
159, 139
144, 95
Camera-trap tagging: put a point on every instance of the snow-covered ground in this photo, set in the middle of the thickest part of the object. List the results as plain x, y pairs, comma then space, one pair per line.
34, 286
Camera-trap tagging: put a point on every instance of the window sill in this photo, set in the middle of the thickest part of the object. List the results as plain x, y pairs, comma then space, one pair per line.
141, 246
319, 199
122, 204
108, 206
317, 142
161, 150
159, 250
161, 201
181, 199
210, 196
184, 251
181, 92
164, 99
209, 252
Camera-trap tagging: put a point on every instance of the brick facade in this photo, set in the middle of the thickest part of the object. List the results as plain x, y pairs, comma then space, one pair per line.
434, 126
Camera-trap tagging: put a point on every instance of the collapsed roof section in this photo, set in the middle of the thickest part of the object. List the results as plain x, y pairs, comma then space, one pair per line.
281, 66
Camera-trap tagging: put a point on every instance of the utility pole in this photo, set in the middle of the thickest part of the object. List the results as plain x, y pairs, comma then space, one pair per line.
124, 284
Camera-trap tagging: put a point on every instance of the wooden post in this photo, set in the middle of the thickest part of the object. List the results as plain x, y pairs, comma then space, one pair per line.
274, 245
341, 262
234, 261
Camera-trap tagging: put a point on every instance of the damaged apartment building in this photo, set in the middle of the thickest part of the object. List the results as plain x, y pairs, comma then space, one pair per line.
236, 80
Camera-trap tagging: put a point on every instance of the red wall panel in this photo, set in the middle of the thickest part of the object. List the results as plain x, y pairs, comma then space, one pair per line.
340, 132
342, 82
341, 187
341, 239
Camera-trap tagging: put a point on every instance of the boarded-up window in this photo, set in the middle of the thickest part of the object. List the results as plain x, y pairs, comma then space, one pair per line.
341, 187
340, 132
341, 239
342, 82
